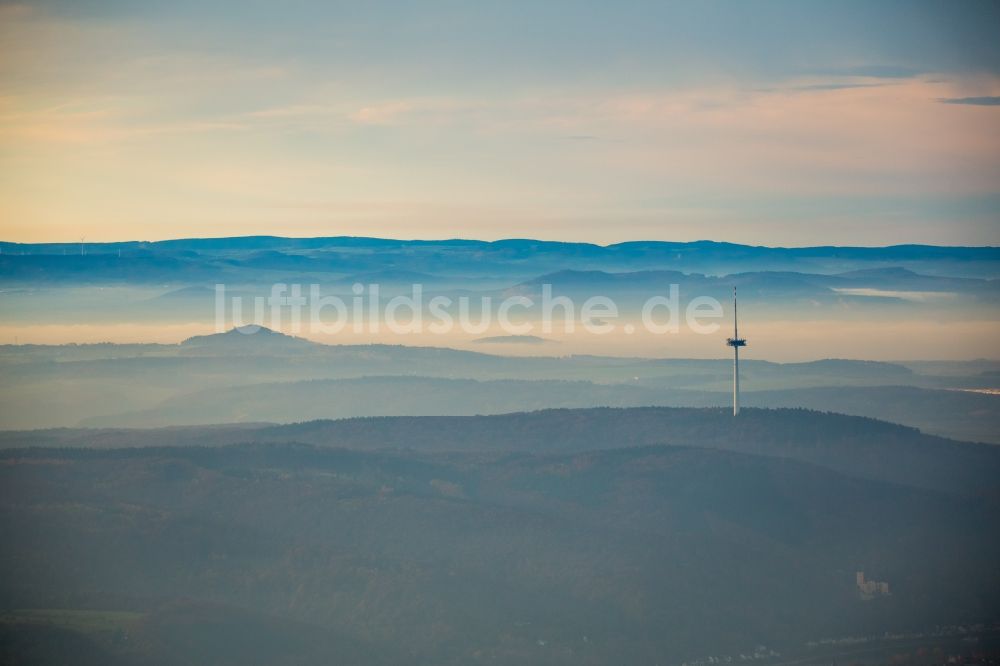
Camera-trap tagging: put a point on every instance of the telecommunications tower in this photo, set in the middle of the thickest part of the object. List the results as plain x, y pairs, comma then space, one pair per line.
736, 342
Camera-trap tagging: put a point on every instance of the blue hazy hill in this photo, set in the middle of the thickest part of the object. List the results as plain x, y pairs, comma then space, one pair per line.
209, 258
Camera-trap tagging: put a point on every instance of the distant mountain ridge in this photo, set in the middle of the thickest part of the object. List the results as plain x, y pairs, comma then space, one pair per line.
903, 251
269, 376
958, 414
217, 258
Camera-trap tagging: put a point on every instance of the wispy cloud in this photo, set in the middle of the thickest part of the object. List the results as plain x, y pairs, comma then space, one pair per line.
836, 86
874, 72
974, 101
886, 71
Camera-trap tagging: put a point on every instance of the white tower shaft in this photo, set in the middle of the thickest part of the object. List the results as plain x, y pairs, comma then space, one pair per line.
736, 361
736, 381
736, 342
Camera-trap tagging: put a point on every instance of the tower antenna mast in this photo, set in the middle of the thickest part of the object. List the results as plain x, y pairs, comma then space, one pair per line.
736, 342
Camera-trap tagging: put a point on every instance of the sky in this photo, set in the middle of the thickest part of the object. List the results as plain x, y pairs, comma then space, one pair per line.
772, 123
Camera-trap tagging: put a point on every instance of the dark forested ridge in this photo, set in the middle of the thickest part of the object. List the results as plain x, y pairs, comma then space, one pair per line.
859, 446
506, 551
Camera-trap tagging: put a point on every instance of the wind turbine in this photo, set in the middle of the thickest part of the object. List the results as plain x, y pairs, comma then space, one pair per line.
736, 342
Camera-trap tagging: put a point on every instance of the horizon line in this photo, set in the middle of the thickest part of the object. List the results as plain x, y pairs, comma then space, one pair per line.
456, 239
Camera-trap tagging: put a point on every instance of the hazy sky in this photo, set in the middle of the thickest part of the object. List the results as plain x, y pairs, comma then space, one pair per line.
779, 123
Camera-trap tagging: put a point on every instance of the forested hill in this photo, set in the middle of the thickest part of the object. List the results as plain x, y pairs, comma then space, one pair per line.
258, 554
862, 447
